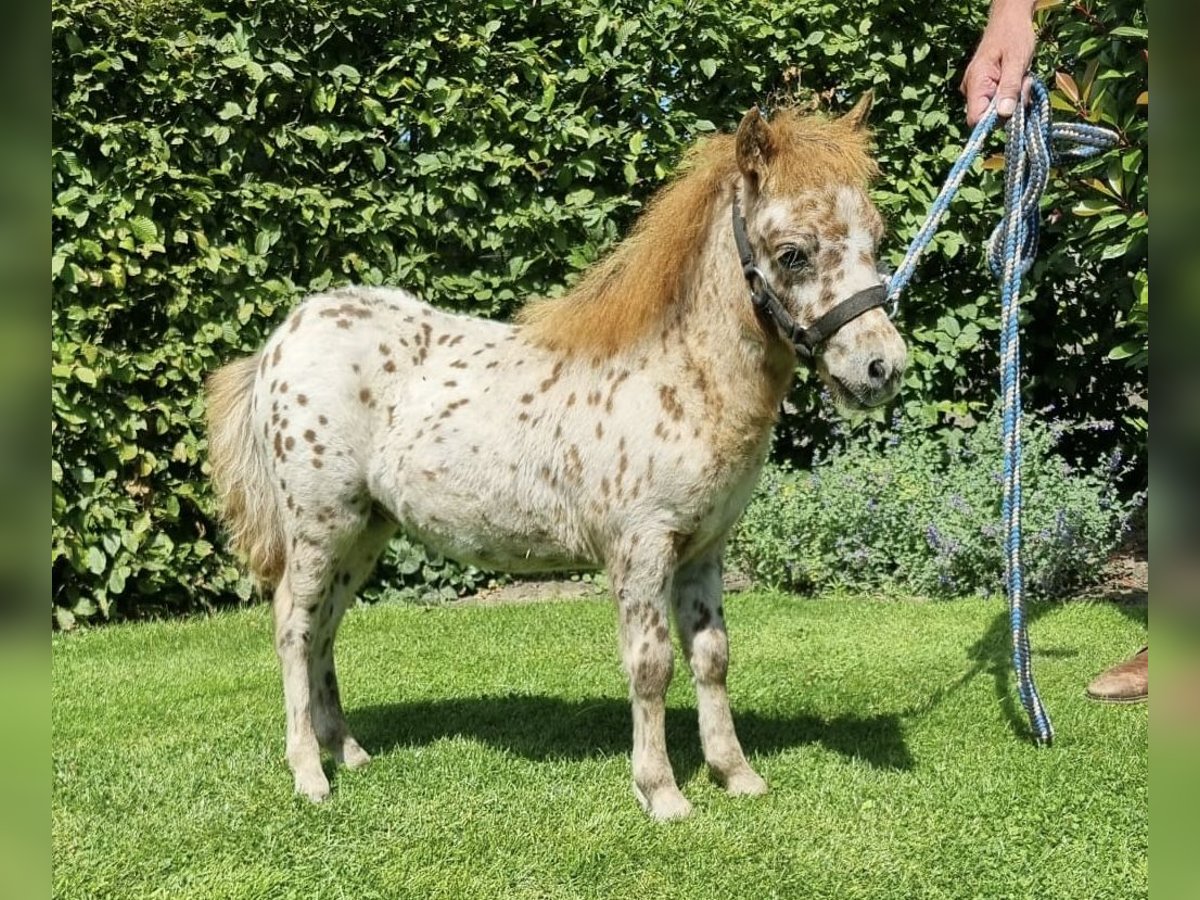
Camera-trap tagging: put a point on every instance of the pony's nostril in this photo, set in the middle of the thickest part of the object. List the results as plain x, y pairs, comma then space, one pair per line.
876, 370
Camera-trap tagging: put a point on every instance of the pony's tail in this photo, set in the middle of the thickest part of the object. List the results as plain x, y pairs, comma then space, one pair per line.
241, 479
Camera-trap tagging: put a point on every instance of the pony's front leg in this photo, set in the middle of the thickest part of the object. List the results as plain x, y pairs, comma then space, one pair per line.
700, 617
641, 577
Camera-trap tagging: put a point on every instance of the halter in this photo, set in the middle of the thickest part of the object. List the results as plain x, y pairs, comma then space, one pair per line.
807, 341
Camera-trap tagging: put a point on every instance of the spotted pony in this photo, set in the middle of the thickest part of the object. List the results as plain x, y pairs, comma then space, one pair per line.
620, 426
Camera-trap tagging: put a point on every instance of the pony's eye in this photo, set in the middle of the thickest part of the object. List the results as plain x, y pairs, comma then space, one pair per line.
793, 258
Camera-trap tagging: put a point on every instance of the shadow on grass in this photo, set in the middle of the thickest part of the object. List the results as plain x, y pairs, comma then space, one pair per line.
546, 728
992, 655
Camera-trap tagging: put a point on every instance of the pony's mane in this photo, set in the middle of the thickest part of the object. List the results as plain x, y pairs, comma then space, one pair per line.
620, 298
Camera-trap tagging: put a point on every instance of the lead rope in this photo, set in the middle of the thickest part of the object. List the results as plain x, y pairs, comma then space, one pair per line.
1028, 156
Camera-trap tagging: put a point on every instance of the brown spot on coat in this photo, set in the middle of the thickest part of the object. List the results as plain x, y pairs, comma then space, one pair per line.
553, 379
669, 398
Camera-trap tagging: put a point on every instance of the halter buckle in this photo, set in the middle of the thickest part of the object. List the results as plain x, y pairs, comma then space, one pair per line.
755, 281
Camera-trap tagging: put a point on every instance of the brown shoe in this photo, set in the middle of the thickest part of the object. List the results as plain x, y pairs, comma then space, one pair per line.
1127, 682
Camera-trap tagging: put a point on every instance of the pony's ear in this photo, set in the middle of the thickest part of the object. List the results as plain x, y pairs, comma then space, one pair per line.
755, 143
857, 117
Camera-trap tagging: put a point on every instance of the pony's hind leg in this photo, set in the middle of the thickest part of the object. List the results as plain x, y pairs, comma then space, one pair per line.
700, 617
297, 597
324, 532
641, 577
346, 578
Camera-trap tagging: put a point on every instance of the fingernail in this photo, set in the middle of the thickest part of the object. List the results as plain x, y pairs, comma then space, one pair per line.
1007, 106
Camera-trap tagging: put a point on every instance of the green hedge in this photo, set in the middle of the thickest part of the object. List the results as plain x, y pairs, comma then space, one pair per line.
212, 162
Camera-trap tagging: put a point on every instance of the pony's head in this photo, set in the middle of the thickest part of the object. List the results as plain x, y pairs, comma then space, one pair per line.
812, 233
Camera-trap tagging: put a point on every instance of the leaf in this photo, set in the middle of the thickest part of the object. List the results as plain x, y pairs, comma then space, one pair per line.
116, 580
708, 67
1058, 101
636, 141
1143, 99
1125, 349
1116, 178
1114, 251
1067, 85
1089, 79
95, 560
949, 325
1093, 207
144, 230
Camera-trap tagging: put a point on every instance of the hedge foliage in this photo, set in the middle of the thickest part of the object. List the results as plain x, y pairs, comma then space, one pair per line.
214, 161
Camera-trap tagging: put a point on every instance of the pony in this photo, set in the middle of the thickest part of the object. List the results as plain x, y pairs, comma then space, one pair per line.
622, 425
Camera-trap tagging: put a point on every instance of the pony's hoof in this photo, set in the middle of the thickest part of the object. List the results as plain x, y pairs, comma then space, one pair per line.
353, 755
745, 784
313, 786
665, 805
668, 806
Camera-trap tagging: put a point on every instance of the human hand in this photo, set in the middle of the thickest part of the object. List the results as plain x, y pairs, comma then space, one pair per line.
1001, 60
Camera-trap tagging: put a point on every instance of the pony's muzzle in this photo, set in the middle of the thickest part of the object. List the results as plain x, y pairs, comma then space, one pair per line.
864, 363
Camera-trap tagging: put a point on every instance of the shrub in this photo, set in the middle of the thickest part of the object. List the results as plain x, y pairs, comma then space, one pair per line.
409, 573
919, 513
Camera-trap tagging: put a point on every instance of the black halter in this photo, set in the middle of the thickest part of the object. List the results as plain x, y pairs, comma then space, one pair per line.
767, 303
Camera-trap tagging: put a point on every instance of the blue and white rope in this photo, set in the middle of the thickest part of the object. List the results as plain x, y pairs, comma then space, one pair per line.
1028, 156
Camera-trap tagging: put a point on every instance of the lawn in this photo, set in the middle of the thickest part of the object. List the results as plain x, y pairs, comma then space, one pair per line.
895, 751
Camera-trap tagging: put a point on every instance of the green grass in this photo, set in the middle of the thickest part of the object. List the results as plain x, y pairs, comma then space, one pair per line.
895, 752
